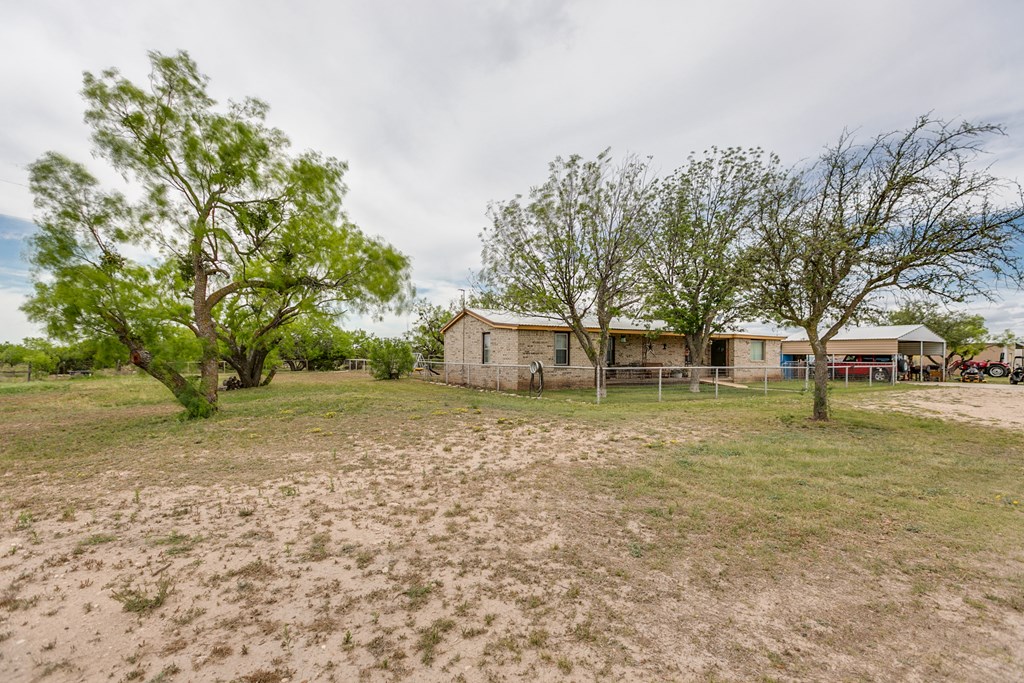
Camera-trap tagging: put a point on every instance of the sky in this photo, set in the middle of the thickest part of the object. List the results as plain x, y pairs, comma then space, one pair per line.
441, 107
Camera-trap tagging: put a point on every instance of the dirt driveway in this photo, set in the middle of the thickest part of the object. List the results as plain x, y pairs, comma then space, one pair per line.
999, 405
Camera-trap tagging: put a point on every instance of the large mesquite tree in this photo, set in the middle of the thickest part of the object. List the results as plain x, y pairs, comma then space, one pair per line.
910, 210
571, 251
225, 212
696, 263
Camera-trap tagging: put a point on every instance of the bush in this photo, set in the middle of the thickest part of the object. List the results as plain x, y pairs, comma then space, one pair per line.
390, 358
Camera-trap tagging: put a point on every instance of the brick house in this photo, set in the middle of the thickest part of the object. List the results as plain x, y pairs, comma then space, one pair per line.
486, 348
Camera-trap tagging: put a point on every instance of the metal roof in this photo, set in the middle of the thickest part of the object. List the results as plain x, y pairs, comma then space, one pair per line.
903, 333
532, 320
506, 319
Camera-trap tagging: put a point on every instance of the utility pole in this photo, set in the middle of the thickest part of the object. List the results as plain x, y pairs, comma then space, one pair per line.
463, 332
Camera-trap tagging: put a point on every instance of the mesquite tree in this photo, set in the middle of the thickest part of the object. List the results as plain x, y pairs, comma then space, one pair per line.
570, 251
909, 210
225, 211
696, 264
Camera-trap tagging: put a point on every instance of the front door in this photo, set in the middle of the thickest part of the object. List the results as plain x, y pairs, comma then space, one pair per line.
719, 355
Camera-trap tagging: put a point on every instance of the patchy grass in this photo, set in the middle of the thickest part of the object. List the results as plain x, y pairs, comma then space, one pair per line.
139, 600
176, 543
332, 526
431, 637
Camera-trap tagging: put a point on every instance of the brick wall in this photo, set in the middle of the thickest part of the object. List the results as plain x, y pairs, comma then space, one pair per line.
740, 350
664, 350
521, 347
540, 345
469, 332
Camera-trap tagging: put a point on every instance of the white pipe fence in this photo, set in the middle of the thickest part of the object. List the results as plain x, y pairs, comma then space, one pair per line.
662, 379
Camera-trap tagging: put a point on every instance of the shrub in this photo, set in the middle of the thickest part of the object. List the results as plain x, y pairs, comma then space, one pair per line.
390, 358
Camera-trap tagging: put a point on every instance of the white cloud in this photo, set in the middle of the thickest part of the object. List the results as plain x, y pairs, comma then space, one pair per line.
15, 325
441, 107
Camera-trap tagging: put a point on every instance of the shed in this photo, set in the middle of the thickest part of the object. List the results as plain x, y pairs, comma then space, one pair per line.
910, 340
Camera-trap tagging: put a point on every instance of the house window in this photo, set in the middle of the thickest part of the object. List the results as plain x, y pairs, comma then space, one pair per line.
486, 347
609, 354
561, 348
757, 350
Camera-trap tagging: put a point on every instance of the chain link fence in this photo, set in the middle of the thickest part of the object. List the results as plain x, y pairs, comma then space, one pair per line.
650, 382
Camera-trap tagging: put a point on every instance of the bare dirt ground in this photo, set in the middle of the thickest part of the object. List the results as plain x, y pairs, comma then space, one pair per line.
478, 557
997, 405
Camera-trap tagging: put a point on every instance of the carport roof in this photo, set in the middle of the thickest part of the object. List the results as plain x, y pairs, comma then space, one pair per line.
900, 333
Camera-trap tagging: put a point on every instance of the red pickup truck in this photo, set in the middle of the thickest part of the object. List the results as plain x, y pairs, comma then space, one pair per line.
878, 366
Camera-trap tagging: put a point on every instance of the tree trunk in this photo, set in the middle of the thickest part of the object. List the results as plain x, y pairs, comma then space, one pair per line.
206, 331
248, 366
602, 349
194, 401
696, 345
820, 380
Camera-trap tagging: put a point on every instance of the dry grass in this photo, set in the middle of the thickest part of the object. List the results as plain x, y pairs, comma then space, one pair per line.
333, 527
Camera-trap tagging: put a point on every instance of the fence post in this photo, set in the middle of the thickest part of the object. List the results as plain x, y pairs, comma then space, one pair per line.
807, 375
716, 382
766, 380
893, 375
29, 377
871, 371
846, 382
446, 372
659, 385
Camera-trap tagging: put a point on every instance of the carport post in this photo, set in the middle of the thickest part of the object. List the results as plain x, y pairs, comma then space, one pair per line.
659, 385
943, 360
892, 377
920, 364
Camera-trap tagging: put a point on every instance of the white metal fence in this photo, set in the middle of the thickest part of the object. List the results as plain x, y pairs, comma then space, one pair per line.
650, 382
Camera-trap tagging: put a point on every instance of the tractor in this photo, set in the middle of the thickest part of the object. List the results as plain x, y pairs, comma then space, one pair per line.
992, 368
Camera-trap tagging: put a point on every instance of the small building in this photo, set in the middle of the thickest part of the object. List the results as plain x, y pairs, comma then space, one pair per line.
1011, 354
489, 348
877, 342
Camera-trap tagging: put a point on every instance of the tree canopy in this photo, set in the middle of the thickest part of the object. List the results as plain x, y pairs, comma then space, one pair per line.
425, 336
696, 265
232, 236
570, 251
910, 210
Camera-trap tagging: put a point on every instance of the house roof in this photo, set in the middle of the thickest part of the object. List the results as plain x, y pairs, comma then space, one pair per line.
904, 333
517, 321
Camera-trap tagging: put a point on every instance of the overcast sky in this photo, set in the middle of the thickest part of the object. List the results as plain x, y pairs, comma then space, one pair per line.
440, 107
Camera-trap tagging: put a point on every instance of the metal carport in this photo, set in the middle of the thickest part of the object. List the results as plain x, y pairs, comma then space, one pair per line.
910, 340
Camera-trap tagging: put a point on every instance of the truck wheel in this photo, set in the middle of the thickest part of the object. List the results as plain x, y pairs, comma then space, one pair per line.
880, 375
996, 371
